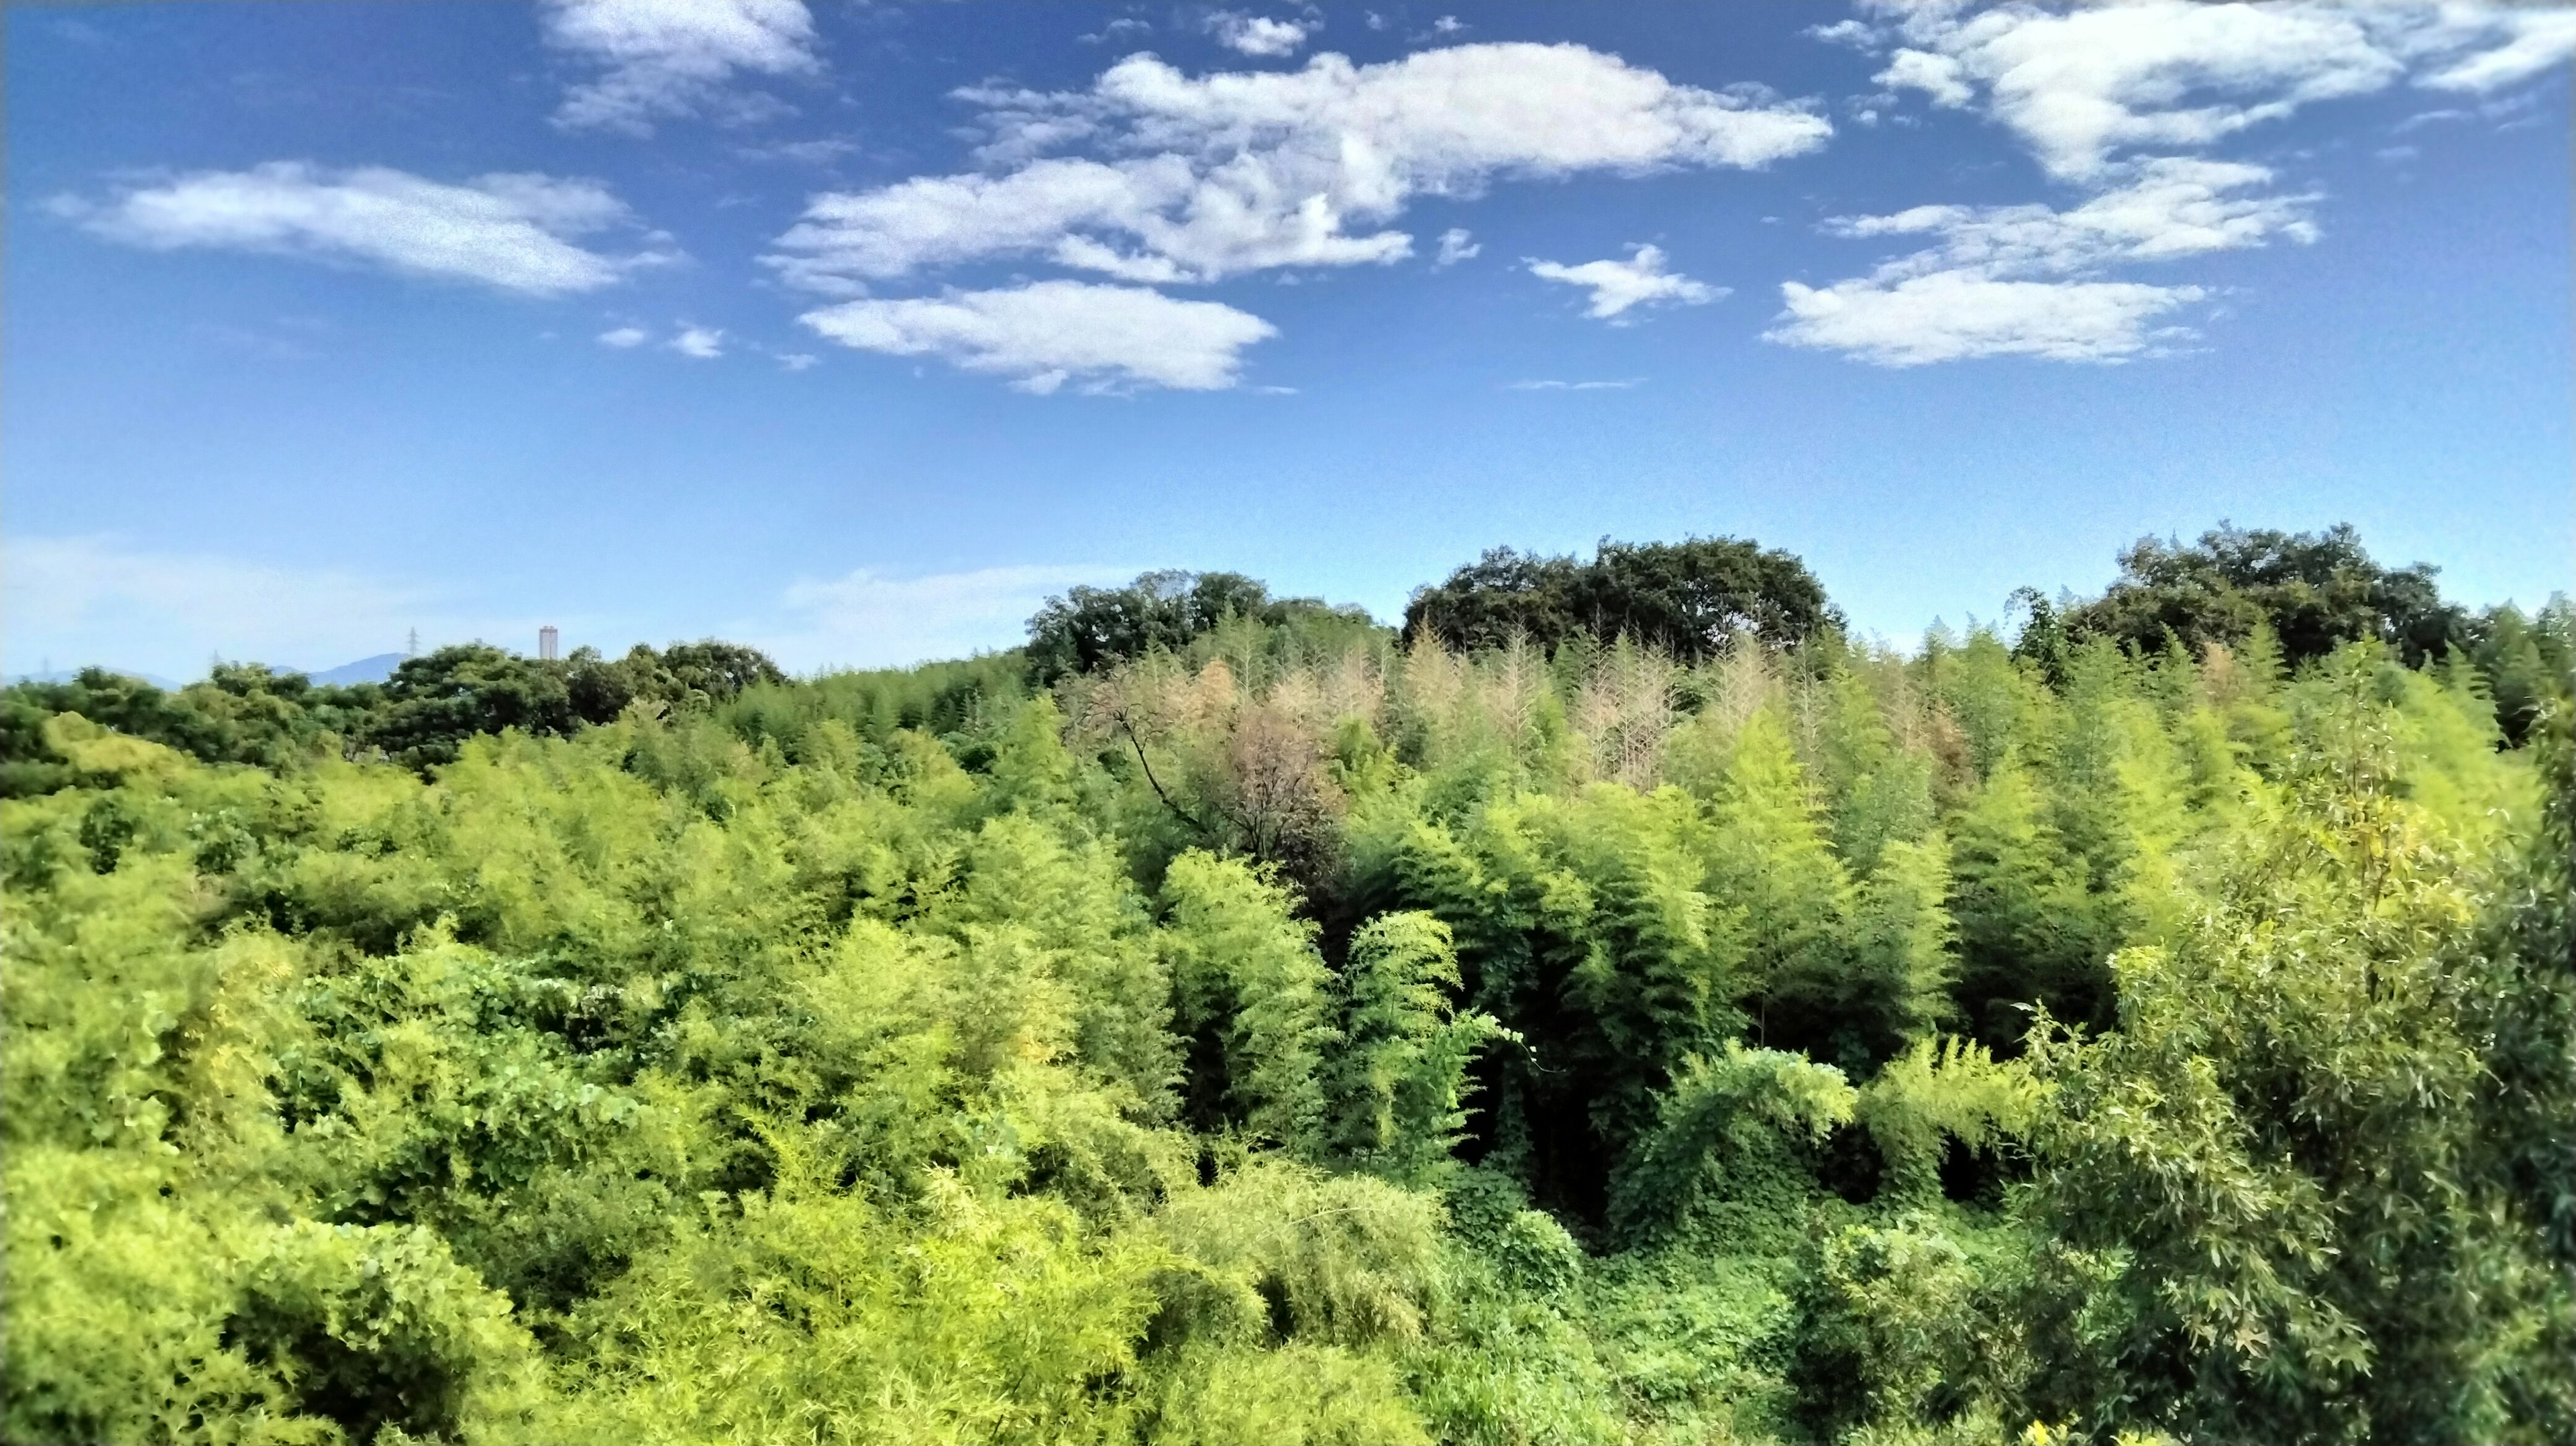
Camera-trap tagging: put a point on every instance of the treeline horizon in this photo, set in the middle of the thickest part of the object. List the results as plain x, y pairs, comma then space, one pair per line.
2310, 592
1612, 1006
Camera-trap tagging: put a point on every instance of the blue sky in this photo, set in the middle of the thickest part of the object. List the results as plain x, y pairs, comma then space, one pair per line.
854, 330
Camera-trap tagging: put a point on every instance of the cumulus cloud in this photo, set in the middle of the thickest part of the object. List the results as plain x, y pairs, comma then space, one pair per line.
1195, 179
512, 232
2118, 100
866, 619
624, 336
1456, 245
705, 343
1256, 35
1947, 315
1042, 335
2082, 84
1617, 286
1937, 76
664, 58
2017, 280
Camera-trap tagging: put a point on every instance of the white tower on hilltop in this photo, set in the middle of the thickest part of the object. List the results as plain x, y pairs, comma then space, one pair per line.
547, 643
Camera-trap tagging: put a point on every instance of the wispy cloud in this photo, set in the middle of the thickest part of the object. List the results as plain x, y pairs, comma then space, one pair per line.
705, 343
1102, 338
75, 601
1620, 286
512, 232
660, 59
867, 618
99, 599
1948, 315
2024, 280
1549, 385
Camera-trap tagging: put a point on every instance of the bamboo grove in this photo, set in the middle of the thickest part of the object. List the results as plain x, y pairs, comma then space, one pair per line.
1294, 1034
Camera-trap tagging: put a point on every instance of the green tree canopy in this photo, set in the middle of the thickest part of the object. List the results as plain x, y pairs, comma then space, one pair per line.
1689, 598
2315, 590
1088, 628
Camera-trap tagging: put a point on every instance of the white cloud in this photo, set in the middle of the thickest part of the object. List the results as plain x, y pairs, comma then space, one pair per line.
1937, 76
933, 221
2532, 41
624, 336
2171, 208
513, 232
706, 343
1549, 385
1199, 179
797, 361
1617, 286
1948, 315
2083, 83
2016, 280
819, 152
1456, 245
73, 601
866, 619
1117, 29
1256, 35
2086, 87
664, 58
1104, 338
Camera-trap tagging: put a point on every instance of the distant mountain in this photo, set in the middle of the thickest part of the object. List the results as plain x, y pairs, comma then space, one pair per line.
65, 675
365, 670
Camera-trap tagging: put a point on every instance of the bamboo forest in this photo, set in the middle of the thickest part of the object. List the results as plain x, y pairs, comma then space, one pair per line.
1616, 1003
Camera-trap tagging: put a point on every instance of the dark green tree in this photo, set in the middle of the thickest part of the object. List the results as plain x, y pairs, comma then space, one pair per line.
434, 702
1691, 598
1088, 628
240, 713
2318, 590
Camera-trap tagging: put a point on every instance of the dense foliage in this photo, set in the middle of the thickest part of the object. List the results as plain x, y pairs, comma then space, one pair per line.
2316, 591
421, 716
1089, 628
1284, 1034
1691, 600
